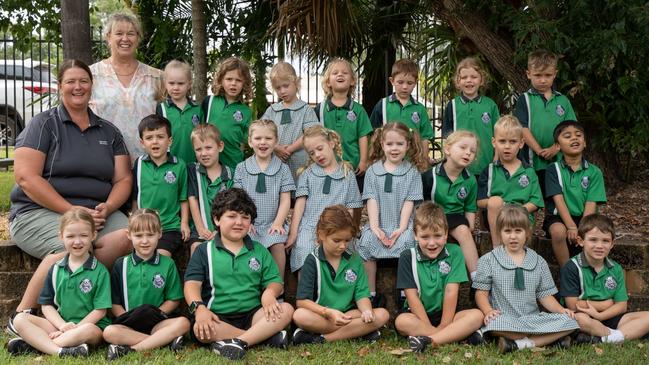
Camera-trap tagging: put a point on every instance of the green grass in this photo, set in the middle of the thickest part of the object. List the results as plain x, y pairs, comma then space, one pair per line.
6, 183
356, 352
6, 152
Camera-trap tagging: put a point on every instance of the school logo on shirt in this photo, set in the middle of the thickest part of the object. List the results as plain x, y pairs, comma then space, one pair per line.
195, 120
350, 276
351, 116
170, 177
523, 181
560, 111
610, 283
444, 268
85, 286
158, 281
254, 264
486, 118
585, 181
461, 194
415, 117
237, 116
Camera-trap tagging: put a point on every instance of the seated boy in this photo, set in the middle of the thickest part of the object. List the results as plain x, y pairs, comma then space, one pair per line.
430, 274
145, 288
232, 284
507, 180
593, 286
160, 183
573, 187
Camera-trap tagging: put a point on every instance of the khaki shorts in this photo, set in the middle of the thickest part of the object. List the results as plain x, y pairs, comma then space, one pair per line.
37, 231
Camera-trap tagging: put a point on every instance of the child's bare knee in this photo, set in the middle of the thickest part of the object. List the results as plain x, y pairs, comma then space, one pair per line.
381, 316
303, 317
111, 333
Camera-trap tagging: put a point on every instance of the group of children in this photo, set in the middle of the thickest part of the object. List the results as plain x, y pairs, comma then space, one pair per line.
194, 185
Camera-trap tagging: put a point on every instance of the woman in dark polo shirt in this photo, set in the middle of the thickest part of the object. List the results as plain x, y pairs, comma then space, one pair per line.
65, 157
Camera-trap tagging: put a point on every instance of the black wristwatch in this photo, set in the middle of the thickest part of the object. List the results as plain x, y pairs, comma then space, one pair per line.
193, 306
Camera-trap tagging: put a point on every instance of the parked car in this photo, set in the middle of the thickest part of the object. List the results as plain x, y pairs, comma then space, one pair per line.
27, 88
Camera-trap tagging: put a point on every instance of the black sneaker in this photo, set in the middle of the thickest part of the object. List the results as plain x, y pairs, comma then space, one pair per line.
18, 346
74, 351
506, 345
378, 300
301, 337
177, 344
11, 329
476, 338
278, 340
563, 343
419, 343
585, 338
117, 351
372, 336
232, 349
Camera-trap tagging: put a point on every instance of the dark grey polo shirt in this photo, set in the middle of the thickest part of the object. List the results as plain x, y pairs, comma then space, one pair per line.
79, 165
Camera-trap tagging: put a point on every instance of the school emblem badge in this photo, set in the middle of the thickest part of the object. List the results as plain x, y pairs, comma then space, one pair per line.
560, 111
195, 120
85, 286
350, 276
461, 194
237, 116
254, 264
523, 181
444, 268
415, 117
158, 281
585, 182
610, 283
486, 118
170, 177
351, 116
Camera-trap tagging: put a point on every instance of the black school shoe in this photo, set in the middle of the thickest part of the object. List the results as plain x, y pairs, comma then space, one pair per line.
301, 337
476, 338
18, 346
116, 351
232, 349
278, 340
563, 343
11, 329
419, 343
74, 351
372, 337
177, 344
584, 338
506, 345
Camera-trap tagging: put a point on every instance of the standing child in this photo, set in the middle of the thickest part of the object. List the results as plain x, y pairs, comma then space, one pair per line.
510, 281
431, 273
74, 298
180, 109
392, 186
332, 295
592, 284
507, 180
160, 183
227, 109
146, 289
573, 188
291, 115
450, 185
472, 111
232, 284
401, 106
326, 181
268, 181
540, 109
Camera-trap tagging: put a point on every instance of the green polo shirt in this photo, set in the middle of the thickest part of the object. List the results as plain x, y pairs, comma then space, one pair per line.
430, 276
232, 283
541, 116
579, 279
135, 281
161, 188
478, 115
233, 121
204, 190
577, 187
455, 197
338, 289
76, 294
520, 188
350, 121
182, 123
414, 115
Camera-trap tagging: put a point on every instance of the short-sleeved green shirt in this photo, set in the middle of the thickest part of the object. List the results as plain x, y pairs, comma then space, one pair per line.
350, 121
577, 187
135, 281
338, 289
161, 188
478, 115
76, 294
182, 123
579, 279
430, 276
204, 190
232, 283
414, 115
520, 188
455, 197
233, 121
541, 116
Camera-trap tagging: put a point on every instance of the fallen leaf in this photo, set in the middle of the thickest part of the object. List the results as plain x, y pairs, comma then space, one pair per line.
516, 363
446, 359
599, 351
363, 351
305, 354
400, 352
537, 349
468, 355
640, 345
38, 359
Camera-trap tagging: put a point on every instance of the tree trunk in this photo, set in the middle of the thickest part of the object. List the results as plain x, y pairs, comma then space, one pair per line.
199, 37
75, 30
496, 50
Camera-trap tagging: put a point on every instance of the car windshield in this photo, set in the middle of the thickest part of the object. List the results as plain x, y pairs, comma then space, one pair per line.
17, 72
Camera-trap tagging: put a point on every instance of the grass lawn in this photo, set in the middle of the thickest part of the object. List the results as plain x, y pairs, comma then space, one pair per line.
6, 152
6, 183
385, 351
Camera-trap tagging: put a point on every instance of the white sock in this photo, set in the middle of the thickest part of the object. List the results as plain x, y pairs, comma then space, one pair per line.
614, 336
473, 274
524, 343
373, 293
402, 294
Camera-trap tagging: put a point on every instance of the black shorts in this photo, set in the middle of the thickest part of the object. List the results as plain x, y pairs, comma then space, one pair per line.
170, 241
455, 220
142, 318
551, 219
613, 322
242, 321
